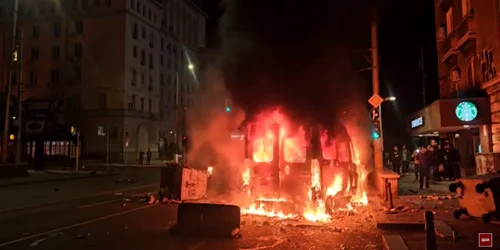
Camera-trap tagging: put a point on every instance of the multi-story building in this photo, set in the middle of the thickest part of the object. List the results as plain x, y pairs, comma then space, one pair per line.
468, 41
121, 68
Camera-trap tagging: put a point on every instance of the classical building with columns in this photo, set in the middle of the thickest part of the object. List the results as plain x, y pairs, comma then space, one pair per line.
468, 111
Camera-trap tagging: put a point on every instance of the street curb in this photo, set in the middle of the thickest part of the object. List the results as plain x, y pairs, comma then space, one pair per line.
58, 179
394, 242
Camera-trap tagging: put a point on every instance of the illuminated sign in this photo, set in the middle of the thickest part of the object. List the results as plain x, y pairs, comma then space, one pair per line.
466, 111
417, 122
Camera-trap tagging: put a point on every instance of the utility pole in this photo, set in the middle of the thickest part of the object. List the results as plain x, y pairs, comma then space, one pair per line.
19, 101
378, 154
176, 157
5, 142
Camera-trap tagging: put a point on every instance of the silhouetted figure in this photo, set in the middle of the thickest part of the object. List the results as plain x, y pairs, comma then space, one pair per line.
148, 157
141, 157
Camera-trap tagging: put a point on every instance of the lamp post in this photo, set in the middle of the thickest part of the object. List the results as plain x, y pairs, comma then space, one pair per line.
191, 67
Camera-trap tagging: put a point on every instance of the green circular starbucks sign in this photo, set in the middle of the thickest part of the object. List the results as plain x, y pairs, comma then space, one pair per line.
466, 111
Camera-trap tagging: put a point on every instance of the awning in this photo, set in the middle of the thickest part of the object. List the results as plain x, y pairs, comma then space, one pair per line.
450, 115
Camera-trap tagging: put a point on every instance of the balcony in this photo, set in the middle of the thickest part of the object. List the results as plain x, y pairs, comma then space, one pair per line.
466, 31
449, 45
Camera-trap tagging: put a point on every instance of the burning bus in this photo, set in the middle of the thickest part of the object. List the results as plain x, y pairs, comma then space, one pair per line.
289, 162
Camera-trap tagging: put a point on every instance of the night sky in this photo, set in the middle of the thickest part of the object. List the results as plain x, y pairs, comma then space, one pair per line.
402, 33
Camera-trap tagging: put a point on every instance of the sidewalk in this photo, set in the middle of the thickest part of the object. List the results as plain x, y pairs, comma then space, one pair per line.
409, 186
403, 226
51, 176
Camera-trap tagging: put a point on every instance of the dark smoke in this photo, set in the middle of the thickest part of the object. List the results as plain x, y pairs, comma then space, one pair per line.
296, 55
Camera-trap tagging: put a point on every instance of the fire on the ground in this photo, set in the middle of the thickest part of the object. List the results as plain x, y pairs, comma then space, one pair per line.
293, 170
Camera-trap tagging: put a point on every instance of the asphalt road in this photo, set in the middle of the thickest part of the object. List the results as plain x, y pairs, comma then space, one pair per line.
101, 219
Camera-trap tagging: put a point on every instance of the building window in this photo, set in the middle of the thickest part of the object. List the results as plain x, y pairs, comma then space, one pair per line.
150, 105
143, 33
101, 101
471, 74
152, 40
150, 83
134, 52
449, 21
78, 50
132, 4
143, 79
143, 57
133, 102
142, 103
151, 61
466, 7
162, 44
161, 60
134, 77
134, 31
55, 52
13, 78
34, 53
35, 32
56, 30
138, 7
33, 78
162, 79
488, 69
54, 75
79, 27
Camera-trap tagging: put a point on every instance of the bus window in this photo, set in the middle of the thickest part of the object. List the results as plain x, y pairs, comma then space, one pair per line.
343, 152
294, 150
328, 148
263, 150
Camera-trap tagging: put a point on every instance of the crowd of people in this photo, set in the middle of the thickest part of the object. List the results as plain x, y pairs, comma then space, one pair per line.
431, 163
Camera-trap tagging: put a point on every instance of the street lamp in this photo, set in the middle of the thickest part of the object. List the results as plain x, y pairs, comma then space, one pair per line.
191, 66
390, 98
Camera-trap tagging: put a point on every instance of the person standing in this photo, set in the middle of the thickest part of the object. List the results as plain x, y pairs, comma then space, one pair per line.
416, 162
425, 158
141, 157
148, 157
405, 159
395, 159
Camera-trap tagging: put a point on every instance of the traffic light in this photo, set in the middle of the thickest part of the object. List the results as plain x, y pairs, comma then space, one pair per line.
228, 105
376, 130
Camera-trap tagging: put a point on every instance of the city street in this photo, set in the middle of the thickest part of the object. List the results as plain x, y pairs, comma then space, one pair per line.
99, 213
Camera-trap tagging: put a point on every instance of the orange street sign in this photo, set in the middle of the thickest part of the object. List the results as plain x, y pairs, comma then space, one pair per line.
375, 100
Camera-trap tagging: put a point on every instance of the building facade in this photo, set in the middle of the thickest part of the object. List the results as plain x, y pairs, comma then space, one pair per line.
468, 42
123, 71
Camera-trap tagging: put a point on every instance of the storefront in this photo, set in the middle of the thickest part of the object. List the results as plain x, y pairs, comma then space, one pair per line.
463, 122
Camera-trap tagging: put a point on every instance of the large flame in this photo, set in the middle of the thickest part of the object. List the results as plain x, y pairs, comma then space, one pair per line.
294, 144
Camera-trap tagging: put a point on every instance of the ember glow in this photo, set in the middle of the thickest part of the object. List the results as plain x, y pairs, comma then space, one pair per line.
340, 187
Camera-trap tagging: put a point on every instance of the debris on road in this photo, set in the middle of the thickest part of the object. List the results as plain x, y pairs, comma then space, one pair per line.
82, 236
